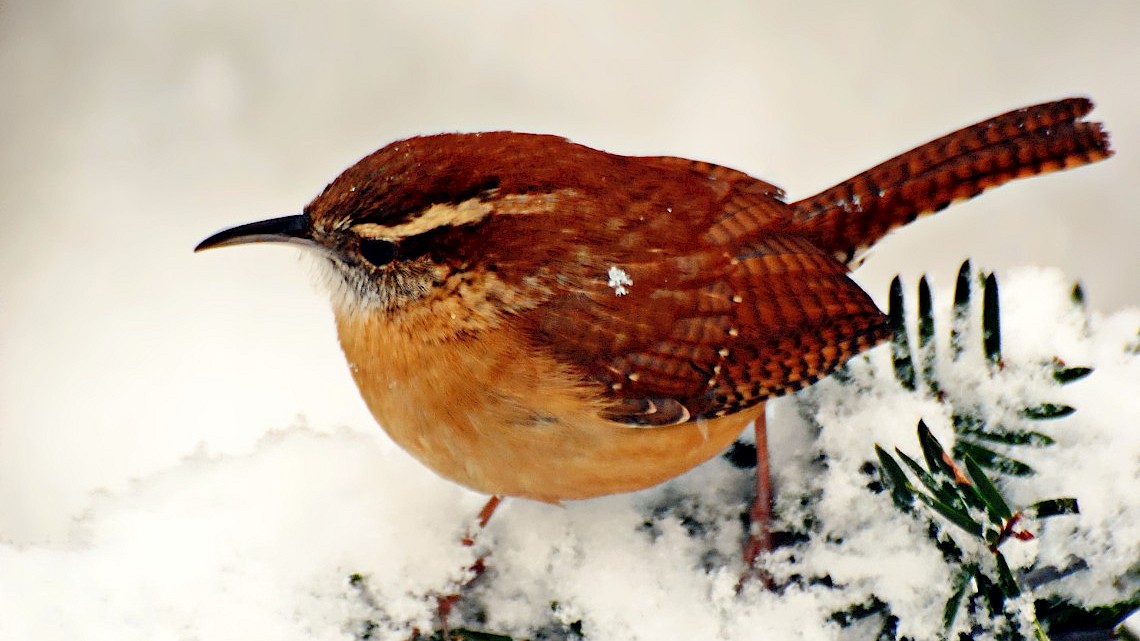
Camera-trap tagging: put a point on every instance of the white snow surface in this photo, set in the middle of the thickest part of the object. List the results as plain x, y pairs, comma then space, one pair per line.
263, 545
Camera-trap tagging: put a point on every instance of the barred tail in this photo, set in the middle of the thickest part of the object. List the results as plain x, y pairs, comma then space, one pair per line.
853, 215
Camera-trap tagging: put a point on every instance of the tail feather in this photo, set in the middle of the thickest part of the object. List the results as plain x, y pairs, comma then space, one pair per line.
850, 217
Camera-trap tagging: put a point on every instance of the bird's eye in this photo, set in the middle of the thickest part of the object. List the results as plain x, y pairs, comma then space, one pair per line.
377, 251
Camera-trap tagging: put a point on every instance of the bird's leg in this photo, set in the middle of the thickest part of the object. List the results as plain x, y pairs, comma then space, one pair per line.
759, 527
445, 603
484, 516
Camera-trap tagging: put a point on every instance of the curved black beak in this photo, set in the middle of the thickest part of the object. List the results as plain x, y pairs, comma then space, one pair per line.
287, 229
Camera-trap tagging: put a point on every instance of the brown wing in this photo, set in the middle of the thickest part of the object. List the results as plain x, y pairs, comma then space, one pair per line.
739, 311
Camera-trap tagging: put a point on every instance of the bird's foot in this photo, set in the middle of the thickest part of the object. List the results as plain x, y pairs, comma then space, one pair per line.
446, 603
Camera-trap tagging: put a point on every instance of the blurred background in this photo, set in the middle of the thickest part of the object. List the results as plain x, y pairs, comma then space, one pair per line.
131, 129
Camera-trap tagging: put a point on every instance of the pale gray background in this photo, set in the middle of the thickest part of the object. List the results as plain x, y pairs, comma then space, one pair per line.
133, 128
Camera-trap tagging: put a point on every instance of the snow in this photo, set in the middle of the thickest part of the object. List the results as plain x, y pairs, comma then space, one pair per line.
265, 544
619, 280
254, 546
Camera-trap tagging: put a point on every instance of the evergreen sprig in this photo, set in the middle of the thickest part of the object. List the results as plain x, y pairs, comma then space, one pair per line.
954, 484
969, 500
986, 444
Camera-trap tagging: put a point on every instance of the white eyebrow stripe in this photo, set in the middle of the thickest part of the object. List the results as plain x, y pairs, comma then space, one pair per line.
469, 211
439, 215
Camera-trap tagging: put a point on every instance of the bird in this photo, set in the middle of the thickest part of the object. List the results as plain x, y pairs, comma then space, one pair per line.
531, 317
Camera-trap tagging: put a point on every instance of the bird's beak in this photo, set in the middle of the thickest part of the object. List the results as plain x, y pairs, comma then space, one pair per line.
287, 229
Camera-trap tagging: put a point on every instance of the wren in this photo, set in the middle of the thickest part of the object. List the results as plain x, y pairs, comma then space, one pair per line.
531, 317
